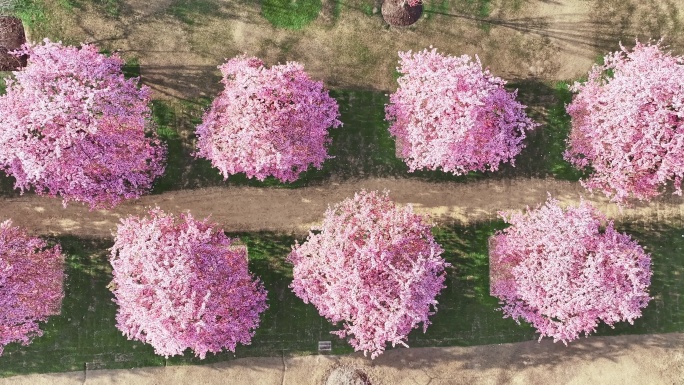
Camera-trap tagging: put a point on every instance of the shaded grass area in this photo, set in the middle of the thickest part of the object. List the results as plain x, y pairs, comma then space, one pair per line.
3, 86
190, 12
38, 17
665, 312
543, 155
6, 182
290, 14
364, 148
84, 335
111, 8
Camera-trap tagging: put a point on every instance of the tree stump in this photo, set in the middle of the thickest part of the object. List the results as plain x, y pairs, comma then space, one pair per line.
12, 36
399, 13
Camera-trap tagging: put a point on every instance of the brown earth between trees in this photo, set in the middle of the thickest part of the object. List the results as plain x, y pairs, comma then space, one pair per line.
12, 36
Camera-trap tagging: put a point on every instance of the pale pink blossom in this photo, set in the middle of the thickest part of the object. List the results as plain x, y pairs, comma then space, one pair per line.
451, 114
566, 270
181, 283
373, 266
31, 284
72, 125
628, 124
267, 121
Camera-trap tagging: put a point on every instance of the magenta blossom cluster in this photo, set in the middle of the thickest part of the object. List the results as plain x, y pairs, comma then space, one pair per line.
374, 267
267, 121
31, 284
564, 271
628, 123
181, 283
72, 125
451, 114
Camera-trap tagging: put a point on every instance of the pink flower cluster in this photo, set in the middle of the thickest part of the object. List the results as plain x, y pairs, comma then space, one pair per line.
448, 113
373, 266
72, 125
183, 284
267, 121
564, 271
628, 123
31, 284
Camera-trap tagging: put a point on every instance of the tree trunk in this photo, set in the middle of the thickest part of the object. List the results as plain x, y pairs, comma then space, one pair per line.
399, 13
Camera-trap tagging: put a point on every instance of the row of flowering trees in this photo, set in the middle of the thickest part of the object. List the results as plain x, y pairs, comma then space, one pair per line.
72, 125
371, 267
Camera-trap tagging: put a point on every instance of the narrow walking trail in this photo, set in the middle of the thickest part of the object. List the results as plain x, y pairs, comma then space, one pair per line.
621, 360
296, 210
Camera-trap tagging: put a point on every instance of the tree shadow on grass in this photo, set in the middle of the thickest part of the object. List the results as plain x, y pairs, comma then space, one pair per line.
467, 315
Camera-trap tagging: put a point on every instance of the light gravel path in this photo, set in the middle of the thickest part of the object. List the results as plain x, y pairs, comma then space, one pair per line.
622, 360
295, 211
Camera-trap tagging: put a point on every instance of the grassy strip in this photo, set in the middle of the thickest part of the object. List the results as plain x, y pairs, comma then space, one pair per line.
364, 148
85, 333
290, 14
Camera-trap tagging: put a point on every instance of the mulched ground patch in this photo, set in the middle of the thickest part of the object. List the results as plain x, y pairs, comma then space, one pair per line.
397, 14
11, 37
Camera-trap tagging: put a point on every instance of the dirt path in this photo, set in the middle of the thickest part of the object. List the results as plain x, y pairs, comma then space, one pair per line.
622, 360
179, 46
253, 209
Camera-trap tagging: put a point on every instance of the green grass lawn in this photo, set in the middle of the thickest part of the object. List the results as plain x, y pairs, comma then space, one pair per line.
290, 14
85, 332
364, 148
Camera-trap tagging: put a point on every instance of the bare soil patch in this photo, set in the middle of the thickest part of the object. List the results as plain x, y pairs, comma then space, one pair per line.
296, 211
348, 48
11, 38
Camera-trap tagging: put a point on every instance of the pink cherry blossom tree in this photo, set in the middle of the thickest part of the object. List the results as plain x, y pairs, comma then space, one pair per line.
72, 125
564, 271
31, 284
374, 267
181, 283
451, 114
267, 121
628, 123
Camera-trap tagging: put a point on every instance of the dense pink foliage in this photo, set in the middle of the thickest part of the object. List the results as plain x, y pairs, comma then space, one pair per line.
70, 124
563, 272
629, 127
31, 284
267, 121
373, 266
449, 113
183, 284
